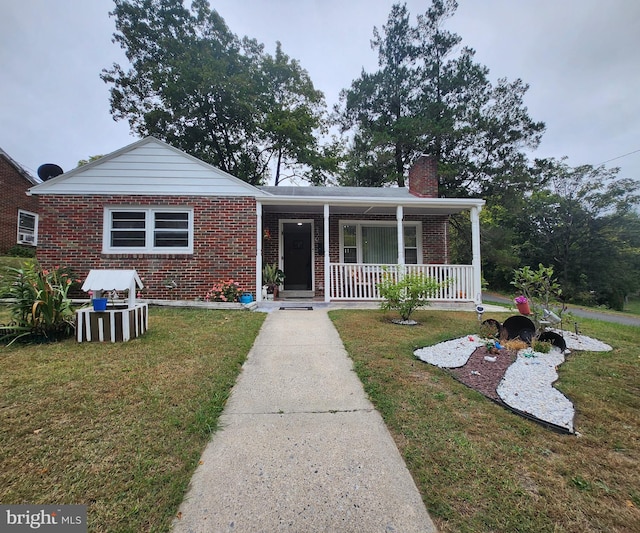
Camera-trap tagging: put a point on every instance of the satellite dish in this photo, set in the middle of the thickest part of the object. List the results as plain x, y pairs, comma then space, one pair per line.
48, 171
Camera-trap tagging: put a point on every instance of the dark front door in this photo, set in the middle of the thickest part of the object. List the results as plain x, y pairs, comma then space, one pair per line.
297, 256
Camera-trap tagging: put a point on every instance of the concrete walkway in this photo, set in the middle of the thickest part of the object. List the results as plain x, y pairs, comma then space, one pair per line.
301, 448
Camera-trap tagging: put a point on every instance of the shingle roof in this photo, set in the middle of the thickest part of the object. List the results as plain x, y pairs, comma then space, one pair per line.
339, 192
19, 168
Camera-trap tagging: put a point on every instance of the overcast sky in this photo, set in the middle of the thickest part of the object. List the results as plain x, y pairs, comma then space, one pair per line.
581, 59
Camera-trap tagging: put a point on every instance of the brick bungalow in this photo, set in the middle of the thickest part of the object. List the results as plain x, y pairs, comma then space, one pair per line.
18, 212
184, 225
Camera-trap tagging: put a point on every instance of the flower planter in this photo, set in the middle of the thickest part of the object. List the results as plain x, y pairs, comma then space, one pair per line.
246, 298
99, 304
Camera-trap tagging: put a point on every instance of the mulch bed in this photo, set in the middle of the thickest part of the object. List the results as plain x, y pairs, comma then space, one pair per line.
482, 375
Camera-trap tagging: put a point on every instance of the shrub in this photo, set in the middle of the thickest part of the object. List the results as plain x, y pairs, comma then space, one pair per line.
41, 306
408, 293
21, 251
541, 346
224, 291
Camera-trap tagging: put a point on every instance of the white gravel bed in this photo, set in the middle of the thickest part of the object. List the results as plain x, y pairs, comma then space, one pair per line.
582, 342
527, 385
450, 354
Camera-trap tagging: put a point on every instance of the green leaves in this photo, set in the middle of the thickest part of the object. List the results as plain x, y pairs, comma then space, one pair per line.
541, 290
41, 305
430, 96
407, 293
196, 85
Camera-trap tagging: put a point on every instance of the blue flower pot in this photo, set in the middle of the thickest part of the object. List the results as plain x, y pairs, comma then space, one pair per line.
246, 298
99, 304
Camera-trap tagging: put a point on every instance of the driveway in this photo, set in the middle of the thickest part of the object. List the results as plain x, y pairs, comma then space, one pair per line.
627, 320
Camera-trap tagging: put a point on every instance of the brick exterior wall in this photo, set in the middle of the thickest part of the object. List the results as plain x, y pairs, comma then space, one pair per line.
13, 197
423, 177
224, 243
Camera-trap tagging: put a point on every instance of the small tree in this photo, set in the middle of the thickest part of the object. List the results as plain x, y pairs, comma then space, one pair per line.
539, 287
407, 293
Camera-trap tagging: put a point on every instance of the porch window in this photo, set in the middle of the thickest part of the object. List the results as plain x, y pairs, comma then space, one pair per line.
377, 243
27, 228
150, 230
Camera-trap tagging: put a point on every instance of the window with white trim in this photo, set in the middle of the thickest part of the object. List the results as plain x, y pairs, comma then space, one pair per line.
27, 228
148, 230
372, 242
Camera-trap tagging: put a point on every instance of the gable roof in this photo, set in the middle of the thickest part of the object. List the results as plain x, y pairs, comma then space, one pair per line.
31, 179
148, 166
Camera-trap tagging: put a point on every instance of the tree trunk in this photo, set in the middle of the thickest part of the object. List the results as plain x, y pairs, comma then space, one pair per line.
278, 164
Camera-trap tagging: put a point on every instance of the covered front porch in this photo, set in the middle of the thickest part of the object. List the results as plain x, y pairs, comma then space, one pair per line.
336, 246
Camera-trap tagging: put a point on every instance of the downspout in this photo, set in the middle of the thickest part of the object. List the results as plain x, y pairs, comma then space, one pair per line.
475, 247
258, 251
327, 265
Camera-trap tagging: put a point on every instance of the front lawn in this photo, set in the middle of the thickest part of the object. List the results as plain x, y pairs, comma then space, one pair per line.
481, 468
118, 427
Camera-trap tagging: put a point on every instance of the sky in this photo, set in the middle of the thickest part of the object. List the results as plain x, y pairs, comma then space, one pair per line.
581, 59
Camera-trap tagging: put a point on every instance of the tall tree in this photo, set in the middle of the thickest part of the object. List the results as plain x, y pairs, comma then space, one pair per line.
381, 105
293, 119
580, 222
196, 85
430, 96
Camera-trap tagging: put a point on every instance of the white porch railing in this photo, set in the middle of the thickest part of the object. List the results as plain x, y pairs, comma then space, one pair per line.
349, 281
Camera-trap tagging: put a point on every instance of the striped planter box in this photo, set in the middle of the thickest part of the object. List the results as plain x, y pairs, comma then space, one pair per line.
112, 325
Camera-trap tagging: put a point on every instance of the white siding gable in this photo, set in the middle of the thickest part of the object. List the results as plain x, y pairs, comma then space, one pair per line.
149, 166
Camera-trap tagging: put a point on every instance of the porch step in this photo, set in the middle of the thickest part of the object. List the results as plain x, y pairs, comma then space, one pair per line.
295, 294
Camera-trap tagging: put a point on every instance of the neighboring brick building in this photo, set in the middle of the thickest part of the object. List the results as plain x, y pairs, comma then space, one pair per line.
18, 212
184, 225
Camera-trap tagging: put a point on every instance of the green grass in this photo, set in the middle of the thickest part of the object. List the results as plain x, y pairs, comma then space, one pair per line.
632, 305
118, 427
14, 262
482, 469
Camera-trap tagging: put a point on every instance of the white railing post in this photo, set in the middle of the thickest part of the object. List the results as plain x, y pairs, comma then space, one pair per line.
399, 218
476, 263
258, 251
327, 262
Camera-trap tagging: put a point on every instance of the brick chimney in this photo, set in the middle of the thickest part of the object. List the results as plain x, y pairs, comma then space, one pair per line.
423, 177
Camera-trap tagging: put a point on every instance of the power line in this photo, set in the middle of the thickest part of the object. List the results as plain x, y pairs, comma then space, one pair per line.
619, 157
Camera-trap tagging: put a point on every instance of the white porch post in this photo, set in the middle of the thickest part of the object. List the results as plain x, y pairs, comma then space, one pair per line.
258, 251
327, 262
399, 218
475, 247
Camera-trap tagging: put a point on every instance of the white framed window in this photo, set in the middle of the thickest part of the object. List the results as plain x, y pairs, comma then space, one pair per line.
27, 228
376, 242
153, 230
